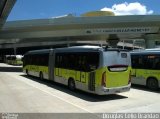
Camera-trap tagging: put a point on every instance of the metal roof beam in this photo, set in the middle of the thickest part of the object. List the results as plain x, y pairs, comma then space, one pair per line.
5, 8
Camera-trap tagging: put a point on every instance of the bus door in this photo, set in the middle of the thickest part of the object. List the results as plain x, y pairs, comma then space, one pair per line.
139, 77
81, 76
138, 70
85, 75
81, 73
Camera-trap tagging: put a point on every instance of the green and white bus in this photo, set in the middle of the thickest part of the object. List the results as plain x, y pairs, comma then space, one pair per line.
89, 68
146, 68
14, 59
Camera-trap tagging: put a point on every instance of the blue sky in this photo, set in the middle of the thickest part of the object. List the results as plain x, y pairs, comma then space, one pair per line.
39, 9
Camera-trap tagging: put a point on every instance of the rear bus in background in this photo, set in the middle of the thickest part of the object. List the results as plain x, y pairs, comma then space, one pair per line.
14, 59
89, 68
146, 68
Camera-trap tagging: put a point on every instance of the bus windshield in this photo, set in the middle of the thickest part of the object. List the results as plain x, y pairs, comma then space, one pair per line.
111, 58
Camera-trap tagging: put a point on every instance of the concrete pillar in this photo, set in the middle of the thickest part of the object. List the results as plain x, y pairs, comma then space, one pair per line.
151, 39
150, 43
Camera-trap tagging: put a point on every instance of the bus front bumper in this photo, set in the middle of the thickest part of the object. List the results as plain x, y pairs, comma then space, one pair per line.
106, 91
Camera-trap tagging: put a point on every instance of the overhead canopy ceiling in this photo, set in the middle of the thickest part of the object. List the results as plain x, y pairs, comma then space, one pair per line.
123, 26
5, 8
70, 28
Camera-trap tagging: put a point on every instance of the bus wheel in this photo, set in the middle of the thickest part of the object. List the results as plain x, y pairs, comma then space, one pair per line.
71, 84
41, 76
152, 84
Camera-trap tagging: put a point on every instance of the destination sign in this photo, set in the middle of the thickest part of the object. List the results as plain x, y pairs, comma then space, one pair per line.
123, 30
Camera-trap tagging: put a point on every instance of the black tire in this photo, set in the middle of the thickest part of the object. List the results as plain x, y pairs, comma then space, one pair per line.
152, 84
71, 84
41, 75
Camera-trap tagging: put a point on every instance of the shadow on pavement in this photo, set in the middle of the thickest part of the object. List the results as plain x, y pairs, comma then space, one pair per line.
144, 88
77, 93
11, 69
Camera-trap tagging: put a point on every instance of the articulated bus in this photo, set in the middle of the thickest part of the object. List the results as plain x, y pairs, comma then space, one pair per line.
89, 68
146, 68
14, 59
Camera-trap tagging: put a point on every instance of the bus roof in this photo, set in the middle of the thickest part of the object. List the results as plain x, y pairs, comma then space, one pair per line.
84, 48
89, 48
66, 49
146, 51
153, 49
80, 48
38, 51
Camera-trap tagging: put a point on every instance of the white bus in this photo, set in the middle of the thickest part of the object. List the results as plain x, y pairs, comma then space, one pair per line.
88, 68
14, 59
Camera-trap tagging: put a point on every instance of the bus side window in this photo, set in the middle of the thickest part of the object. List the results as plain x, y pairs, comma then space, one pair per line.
60, 60
81, 63
140, 63
135, 61
43, 59
93, 62
84, 63
157, 63
71, 61
30, 59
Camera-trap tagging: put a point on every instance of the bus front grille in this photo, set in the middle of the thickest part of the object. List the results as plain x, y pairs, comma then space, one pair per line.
91, 82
